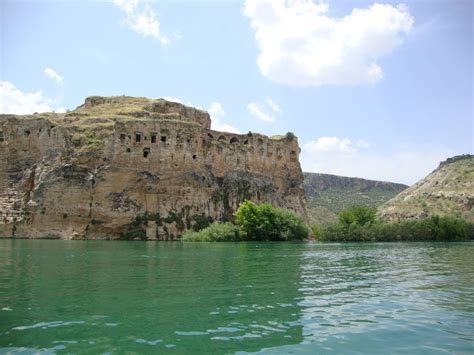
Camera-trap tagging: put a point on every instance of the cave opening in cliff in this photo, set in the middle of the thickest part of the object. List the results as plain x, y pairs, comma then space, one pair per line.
27, 133
138, 137
123, 136
234, 140
1, 136
153, 138
146, 152
163, 139
194, 156
293, 155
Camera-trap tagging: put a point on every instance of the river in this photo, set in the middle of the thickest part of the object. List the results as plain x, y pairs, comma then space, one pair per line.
182, 298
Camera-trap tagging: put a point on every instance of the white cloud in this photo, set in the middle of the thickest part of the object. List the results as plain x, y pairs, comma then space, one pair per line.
142, 19
51, 73
300, 45
330, 144
273, 106
12, 100
173, 99
333, 155
264, 111
217, 113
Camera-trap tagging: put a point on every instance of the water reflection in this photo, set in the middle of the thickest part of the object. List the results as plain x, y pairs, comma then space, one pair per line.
116, 296
59, 296
413, 298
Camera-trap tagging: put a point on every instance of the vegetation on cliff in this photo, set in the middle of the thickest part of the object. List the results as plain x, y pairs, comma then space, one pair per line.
328, 194
447, 191
359, 224
254, 223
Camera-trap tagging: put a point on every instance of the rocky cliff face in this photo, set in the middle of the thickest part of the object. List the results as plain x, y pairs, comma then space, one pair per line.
328, 194
135, 168
447, 191
315, 183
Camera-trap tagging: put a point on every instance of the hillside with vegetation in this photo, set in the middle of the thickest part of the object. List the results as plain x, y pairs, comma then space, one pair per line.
447, 191
328, 194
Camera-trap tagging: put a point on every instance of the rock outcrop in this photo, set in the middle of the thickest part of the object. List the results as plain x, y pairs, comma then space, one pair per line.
135, 168
447, 191
328, 194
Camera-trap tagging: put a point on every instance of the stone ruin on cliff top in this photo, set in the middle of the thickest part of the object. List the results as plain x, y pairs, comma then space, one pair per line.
135, 168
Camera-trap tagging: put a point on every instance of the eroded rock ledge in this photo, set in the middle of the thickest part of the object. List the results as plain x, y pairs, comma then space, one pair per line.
135, 168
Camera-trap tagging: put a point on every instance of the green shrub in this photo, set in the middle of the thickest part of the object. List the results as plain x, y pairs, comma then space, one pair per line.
264, 222
316, 230
433, 228
216, 232
358, 214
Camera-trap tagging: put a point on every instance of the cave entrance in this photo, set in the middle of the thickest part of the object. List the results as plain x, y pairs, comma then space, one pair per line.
146, 152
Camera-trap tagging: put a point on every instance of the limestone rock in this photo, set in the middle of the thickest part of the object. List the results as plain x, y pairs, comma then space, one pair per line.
135, 168
447, 191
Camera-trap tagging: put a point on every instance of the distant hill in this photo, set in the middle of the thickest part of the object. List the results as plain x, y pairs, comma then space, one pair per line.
447, 191
328, 194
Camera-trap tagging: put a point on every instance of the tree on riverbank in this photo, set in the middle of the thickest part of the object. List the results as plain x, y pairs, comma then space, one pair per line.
359, 224
254, 223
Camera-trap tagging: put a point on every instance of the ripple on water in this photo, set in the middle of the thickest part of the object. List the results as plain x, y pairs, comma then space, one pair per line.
45, 325
274, 298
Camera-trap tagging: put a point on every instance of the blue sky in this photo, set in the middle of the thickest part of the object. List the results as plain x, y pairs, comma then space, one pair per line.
381, 91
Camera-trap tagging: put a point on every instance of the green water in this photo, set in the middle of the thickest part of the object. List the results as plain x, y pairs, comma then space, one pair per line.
165, 297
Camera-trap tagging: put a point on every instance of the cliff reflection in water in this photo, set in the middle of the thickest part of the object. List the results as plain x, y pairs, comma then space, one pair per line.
126, 296
236, 297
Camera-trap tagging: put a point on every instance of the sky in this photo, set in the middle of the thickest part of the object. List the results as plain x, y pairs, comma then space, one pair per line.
375, 90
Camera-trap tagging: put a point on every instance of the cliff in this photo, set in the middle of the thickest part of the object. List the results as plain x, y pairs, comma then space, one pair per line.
328, 194
135, 168
447, 191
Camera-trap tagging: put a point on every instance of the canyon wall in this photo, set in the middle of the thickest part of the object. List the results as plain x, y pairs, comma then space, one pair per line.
135, 168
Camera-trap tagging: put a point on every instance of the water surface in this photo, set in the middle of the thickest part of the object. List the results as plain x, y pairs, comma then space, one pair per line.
172, 297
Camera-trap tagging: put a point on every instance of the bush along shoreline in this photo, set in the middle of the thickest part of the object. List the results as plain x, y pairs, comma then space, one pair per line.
359, 224
253, 223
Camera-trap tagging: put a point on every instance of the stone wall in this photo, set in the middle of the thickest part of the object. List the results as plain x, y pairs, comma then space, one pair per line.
150, 173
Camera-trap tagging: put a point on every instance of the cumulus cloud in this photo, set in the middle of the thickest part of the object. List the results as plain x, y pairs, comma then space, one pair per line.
335, 145
173, 99
301, 45
142, 19
273, 106
51, 73
264, 111
217, 113
341, 156
13, 100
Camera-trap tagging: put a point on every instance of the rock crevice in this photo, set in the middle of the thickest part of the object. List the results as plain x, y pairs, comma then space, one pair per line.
135, 168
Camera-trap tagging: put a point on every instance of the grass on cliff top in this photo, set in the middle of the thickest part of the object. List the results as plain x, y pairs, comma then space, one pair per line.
458, 158
117, 106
